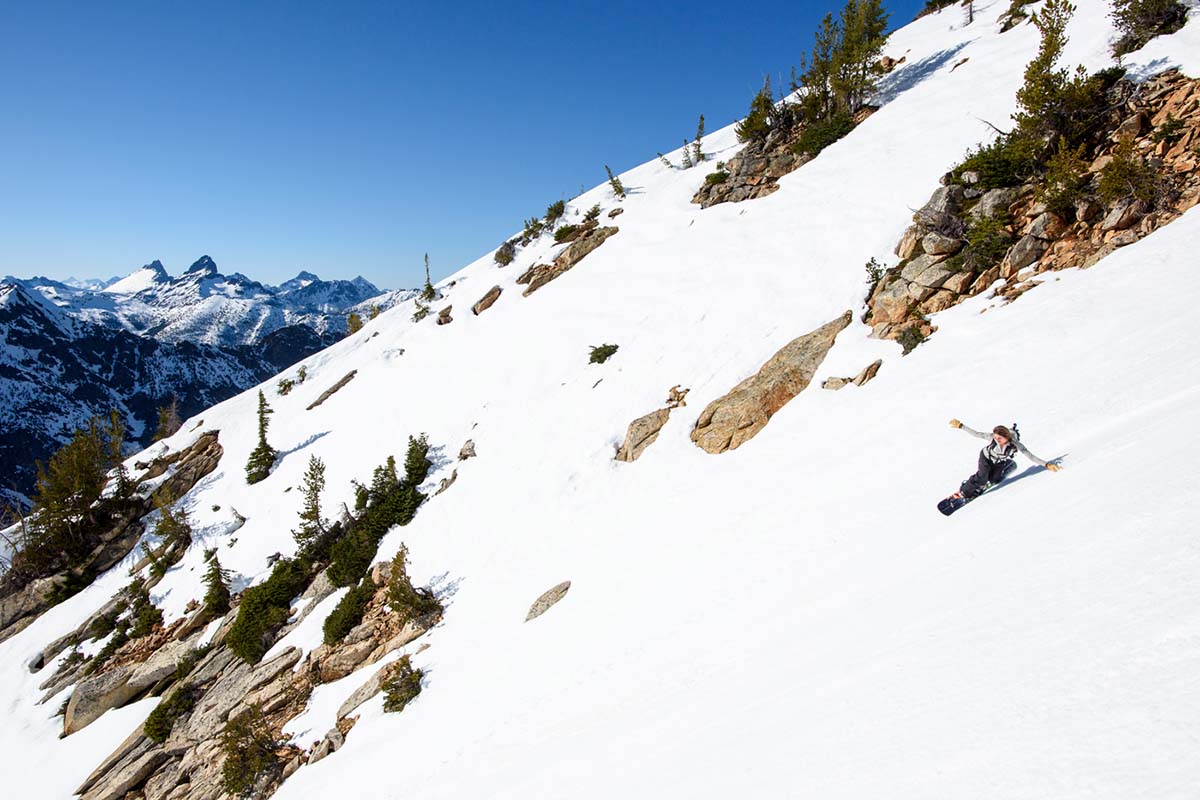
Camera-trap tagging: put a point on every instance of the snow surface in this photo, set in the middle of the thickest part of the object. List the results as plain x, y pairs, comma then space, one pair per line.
792, 618
136, 281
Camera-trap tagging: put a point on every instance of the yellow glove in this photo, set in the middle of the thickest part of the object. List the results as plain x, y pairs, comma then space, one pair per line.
955, 423
1053, 467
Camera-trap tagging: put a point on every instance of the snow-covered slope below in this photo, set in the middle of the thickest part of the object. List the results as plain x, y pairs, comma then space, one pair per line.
791, 618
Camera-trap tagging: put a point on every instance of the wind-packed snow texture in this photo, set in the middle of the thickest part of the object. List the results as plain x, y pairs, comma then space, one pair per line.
793, 618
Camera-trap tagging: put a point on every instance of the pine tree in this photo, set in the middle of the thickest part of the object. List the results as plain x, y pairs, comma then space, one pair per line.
115, 434
173, 529
375, 311
263, 456
168, 420
312, 526
1044, 85
615, 183
817, 71
428, 294
687, 155
216, 595
354, 323
666, 161
697, 151
856, 58
756, 125
416, 461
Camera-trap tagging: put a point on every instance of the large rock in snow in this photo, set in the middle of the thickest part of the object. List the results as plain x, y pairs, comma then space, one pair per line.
734, 419
642, 433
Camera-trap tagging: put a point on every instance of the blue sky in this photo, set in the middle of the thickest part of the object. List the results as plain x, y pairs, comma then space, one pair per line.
347, 138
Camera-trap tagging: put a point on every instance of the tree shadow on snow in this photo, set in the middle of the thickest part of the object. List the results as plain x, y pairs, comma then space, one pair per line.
1144, 72
909, 75
436, 455
285, 453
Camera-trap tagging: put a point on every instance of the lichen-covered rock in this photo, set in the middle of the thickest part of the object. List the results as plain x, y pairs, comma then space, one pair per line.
910, 242
641, 434
547, 599
732, 420
96, 695
938, 245
996, 201
1027, 250
1123, 215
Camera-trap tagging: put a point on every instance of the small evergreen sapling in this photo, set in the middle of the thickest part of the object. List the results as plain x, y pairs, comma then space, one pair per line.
602, 353
615, 183
401, 686
686, 155
592, 214
408, 602
428, 294
312, 525
262, 458
1127, 177
216, 582
756, 125
506, 253
1066, 175
168, 420
697, 151
554, 212
249, 747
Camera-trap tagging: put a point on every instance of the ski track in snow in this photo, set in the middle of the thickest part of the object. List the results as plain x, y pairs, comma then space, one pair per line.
790, 619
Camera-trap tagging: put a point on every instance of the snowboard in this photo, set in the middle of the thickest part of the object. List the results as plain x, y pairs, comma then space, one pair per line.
952, 504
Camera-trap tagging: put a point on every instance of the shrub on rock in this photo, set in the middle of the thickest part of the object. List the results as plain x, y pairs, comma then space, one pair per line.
401, 686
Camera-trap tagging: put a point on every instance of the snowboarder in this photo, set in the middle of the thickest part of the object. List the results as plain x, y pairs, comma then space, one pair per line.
995, 459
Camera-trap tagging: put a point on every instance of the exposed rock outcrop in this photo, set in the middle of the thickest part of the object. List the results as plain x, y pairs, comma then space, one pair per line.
443, 317
539, 275
754, 172
868, 372
932, 274
486, 301
20, 606
732, 420
642, 433
188, 764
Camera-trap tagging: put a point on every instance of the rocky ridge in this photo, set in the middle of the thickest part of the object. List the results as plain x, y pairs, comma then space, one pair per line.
927, 279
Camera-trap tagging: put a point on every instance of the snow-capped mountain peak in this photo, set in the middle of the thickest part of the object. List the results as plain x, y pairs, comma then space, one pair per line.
139, 280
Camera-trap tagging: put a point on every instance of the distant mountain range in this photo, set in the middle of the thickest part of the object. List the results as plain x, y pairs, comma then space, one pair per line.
73, 349
203, 305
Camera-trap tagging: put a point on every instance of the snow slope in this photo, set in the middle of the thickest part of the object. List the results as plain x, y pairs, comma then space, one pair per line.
793, 618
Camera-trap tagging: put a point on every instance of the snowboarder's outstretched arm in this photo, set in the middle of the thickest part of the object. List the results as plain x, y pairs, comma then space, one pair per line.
977, 434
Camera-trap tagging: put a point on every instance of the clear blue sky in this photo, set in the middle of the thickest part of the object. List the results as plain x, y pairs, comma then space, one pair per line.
347, 138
